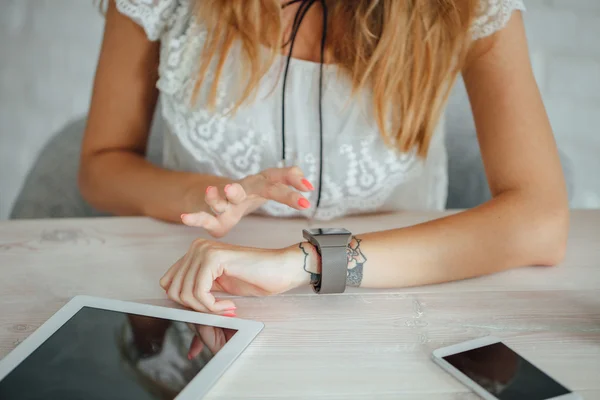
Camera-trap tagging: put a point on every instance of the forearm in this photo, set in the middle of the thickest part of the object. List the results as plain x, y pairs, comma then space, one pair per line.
124, 183
508, 231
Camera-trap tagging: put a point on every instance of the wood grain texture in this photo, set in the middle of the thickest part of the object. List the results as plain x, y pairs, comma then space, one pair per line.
373, 344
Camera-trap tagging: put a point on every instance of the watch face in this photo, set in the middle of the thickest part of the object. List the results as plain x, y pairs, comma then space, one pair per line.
328, 231
328, 237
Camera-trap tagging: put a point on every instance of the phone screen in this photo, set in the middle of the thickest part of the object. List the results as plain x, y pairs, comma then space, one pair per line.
505, 374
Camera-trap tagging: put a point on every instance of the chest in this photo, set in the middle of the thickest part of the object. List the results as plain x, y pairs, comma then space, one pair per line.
350, 159
307, 40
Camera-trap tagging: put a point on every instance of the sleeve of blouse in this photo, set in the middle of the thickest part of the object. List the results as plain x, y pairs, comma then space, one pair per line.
493, 15
152, 15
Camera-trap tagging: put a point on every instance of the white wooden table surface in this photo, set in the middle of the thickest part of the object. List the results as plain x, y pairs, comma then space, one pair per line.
364, 344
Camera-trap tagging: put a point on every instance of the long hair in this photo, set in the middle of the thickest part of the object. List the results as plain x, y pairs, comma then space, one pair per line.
407, 52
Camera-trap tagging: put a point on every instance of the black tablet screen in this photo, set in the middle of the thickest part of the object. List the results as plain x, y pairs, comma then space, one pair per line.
101, 354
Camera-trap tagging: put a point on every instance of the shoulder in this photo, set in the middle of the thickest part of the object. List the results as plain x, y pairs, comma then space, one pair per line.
155, 16
493, 15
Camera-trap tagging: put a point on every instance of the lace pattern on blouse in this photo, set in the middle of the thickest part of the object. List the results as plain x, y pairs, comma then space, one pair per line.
493, 15
360, 174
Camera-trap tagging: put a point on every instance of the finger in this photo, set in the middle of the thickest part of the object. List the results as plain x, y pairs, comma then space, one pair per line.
297, 180
282, 175
174, 290
167, 278
291, 176
235, 193
202, 290
283, 194
187, 289
214, 199
217, 227
301, 184
187, 292
195, 347
201, 220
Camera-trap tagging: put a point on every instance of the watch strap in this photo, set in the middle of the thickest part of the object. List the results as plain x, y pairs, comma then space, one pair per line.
334, 269
332, 248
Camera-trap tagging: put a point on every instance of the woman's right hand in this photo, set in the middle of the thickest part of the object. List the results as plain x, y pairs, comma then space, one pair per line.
242, 197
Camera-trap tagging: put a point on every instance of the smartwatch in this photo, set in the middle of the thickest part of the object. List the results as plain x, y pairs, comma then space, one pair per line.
331, 244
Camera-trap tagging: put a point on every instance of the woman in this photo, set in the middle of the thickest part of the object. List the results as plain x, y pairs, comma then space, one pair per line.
322, 108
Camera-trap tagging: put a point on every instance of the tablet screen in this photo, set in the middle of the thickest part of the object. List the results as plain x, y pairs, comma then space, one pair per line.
102, 354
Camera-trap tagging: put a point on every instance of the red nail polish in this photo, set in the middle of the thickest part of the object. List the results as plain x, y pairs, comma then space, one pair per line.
308, 185
303, 203
229, 314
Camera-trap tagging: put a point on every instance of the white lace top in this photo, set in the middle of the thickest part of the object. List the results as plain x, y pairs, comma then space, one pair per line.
360, 174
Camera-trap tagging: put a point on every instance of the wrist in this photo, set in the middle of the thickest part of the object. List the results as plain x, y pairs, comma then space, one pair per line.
313, 258
193, 195
304, 261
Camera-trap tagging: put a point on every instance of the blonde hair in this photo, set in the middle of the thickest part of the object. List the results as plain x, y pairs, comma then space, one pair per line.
409, 52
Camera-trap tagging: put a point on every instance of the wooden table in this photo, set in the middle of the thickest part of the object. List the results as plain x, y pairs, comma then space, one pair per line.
363, 344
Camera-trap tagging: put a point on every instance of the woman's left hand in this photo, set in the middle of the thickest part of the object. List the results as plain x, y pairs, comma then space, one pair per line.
215, 266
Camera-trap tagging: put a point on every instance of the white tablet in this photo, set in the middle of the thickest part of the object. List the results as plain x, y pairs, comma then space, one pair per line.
96, 348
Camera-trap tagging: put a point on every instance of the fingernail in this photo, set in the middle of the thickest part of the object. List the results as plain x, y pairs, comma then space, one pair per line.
226, 188
189, 356
303, 203
208, 188
308, 185
182, 216
229, 314
230, 308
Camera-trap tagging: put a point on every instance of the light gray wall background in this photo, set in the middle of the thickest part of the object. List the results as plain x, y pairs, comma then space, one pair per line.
49, 48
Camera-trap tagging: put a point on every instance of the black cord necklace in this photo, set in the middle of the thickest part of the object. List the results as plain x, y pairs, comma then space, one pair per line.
299, 17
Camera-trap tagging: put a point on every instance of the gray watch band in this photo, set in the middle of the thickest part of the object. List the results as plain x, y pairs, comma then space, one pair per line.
334, 259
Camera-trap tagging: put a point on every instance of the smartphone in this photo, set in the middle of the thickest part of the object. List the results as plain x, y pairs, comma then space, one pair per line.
496, 372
